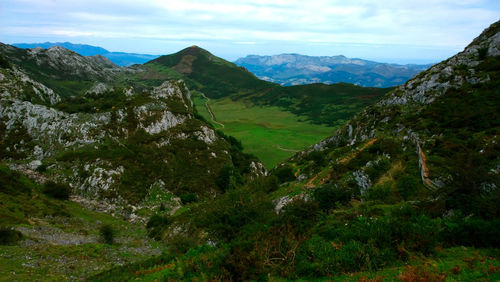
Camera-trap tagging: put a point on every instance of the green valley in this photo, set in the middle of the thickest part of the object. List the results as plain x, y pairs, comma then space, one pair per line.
268, 132
157, 172
271, 121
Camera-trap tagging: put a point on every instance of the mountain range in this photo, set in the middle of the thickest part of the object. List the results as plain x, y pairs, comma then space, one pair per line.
295, 69
284, 69
119, 58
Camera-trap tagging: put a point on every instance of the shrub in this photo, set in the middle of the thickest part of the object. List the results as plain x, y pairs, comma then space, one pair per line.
406, 185
300, 214
56, 190
107, 234
284, 173
327, 196
317, 157
475, 232
225, 217
188, 198
266, 184
381, 192
9, 236
319, 257
156, 225
4, 63
229, 178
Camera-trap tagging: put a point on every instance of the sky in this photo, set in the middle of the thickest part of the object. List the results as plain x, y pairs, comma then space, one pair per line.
397, 31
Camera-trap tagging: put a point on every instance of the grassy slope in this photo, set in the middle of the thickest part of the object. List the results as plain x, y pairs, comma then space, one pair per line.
44, 221
262, 129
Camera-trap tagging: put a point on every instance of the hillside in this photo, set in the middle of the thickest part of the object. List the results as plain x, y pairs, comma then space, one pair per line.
406, 190
215, 77
108, 141
119, 58
261, 103
43, 234
295, 69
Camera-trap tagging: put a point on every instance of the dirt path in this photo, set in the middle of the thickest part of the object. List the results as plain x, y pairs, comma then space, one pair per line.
212, 115
286, 150
355, 153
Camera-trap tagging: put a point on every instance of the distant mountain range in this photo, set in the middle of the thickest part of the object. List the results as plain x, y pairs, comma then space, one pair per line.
295, 69
119, 58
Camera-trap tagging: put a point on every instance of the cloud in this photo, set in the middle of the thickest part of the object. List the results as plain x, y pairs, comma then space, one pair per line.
429, 23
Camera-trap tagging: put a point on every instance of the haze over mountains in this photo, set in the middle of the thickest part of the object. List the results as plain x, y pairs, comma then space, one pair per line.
284, 69
296, 69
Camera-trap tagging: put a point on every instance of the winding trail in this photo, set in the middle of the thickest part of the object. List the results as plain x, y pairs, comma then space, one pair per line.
286, 150
212, 115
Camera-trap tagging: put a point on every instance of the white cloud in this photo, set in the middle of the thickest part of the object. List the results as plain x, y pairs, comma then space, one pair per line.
430, 23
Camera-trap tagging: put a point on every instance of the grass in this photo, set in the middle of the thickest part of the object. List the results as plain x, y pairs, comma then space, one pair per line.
261, 129
60, 238
39, 260
451, 264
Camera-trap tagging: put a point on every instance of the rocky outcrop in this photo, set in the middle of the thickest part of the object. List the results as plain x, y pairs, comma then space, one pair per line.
167, 113
452, 73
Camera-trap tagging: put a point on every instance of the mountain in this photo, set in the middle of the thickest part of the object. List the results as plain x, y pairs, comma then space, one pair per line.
295, 69
73, 117
407, 190
218, 78
209, 74
119, 58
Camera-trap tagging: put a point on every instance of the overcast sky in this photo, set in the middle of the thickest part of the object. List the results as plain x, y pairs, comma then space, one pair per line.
406, 31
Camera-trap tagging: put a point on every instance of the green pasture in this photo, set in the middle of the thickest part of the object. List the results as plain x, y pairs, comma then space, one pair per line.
270, 133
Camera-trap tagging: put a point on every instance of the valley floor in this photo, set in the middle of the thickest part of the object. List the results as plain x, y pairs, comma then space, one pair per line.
270, 133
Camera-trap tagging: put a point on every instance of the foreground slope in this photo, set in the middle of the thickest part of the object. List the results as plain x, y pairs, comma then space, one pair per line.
406, 190
43, 236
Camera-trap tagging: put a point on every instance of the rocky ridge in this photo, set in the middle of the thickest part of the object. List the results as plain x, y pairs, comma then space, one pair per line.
97, 153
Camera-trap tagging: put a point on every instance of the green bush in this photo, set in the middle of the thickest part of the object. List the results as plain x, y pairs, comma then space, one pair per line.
319, 257
378, 168
406, 185
229, 178
475, 232
9, 236
284, 173
107, 234
380, 192
4, 63
266, 184
300, 214
225, 217
156, 225
56, 190
317, 157
188, 198
328, 196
